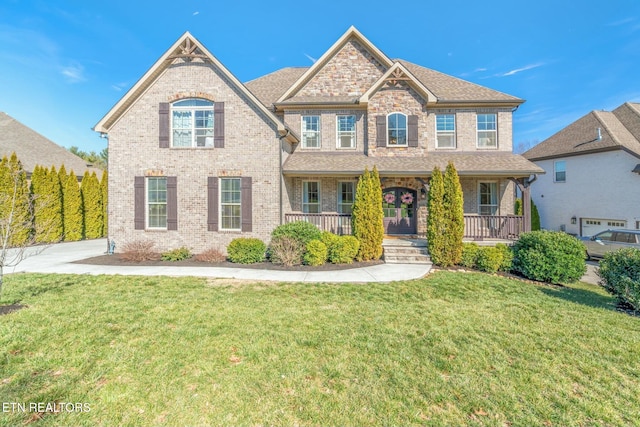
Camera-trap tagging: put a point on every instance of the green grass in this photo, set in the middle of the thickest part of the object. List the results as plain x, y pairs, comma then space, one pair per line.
452, 349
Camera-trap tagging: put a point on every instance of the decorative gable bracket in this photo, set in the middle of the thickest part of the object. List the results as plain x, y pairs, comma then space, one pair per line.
188, 51
396, 77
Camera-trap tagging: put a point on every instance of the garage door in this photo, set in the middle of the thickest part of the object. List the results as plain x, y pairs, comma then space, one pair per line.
591, 226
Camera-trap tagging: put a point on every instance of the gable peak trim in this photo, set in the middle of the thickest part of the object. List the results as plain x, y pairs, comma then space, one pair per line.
396, 74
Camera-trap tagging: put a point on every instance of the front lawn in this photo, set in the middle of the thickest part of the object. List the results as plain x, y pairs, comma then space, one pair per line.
452, 349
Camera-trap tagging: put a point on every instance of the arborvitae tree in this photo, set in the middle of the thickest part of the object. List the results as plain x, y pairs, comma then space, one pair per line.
535, 215
104, 200
39, 191
72, 208
436, 226
454, 216
54, 206
91, 197
367, 216
15, 200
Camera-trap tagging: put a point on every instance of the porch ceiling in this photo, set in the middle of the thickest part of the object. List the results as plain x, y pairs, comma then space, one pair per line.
467, 164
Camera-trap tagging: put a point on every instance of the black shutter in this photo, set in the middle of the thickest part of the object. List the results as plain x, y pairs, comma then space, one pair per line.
163, 117
218, 125
412, 131
381, 131
247, 208
138, 202
172, 203
212, 203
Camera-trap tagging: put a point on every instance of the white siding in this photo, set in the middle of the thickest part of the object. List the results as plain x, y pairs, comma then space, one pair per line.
598, 185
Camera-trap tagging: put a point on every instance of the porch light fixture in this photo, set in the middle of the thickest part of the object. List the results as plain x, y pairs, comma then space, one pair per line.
574, 220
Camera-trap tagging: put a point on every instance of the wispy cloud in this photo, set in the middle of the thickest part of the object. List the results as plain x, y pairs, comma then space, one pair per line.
310, 58
119, 86
519, 70
73, 73
196, 13
621, 22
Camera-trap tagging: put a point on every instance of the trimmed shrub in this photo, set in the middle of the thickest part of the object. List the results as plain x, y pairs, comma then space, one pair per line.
178, 254
302, 231
92, 202
535, 215
436, 226
367, 217
344, 250
104, 194
469, 254
453, 215
489, 259
331, 241
286, 250
72, 206
620, 274
15, 203
211, 255
138, 251
246, 250
507, 257
549, 256
316, 253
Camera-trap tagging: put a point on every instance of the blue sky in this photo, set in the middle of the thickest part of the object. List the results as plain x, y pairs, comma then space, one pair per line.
64, 64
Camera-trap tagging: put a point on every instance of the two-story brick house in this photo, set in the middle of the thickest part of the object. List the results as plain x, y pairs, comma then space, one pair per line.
197, 158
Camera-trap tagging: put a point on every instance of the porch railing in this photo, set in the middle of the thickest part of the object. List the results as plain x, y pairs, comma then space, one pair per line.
479, 227
333, 222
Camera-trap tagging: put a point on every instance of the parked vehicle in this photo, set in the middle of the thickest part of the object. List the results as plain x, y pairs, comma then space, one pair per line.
611, 240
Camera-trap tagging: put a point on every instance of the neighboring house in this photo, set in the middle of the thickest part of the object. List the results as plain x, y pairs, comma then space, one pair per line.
197, 158
34, 149
593, 173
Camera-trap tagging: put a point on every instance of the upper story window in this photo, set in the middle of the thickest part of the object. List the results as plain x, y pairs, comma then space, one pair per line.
346, 131
487, 131
445, 131
157, 202
397, 129
560, 171
192, 123
310, 131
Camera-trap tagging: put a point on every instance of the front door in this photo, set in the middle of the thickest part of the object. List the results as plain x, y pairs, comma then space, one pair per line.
399, 206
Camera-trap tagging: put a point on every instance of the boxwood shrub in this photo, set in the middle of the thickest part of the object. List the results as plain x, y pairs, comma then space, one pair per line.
316, 253
620, 274
489, 259
246, 250
302, 231
549, 256
469, 254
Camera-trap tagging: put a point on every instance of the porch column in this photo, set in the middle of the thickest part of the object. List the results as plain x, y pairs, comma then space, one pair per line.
526, 205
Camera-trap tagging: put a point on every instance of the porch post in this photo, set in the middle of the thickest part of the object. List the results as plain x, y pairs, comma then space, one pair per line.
526, 205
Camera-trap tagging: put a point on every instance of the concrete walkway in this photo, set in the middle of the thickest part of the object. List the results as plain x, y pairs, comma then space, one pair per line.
59, 258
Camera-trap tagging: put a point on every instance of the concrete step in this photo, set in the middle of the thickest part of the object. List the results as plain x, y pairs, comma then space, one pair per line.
407, 259
406, 250
411, 242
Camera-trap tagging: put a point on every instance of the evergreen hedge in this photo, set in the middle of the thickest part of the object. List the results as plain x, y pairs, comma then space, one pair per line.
367, 217
453, 216
72, 212
436, 221
92, 202
14, 201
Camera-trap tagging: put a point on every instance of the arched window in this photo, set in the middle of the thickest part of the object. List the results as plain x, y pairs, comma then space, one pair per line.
397, 129
192, 123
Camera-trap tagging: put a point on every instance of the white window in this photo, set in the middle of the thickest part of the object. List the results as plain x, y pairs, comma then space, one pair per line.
230, 204
346, 193
346, 131
396, 129
310, 197
310, 131
192, 123
157, 202
487, 131
560, 171
487, 198
445, 131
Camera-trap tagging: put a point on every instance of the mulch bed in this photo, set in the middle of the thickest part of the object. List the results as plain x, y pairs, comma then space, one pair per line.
115, 260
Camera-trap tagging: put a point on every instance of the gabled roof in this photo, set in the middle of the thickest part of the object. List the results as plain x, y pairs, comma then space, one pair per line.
186, 45
595, 132
351, 33
34, 149
270, 87
399, 73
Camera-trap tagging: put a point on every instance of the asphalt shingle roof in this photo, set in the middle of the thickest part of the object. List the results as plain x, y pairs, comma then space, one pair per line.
470, 163
34, 149
619, 130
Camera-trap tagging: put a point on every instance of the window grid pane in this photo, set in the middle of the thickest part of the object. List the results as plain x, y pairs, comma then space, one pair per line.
346, 131
311, 131
397, 129
192, 123
488, 203
230, 203
487, 131
345, 197
311, 197
560, 171
157, 202
445, 131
